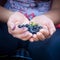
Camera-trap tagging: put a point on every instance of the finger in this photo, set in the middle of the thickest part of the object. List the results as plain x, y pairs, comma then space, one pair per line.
40, 36
11, 25
19, 30
45, 27
25, 36
45, 32
35, 38
31, 39
51, 28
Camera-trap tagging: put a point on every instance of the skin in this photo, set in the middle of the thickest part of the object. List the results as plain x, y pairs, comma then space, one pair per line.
13, 19
50, 19
21, 33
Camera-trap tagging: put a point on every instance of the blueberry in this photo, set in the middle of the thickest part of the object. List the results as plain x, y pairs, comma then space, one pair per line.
27, 25
32, 28
20, 26
40, 27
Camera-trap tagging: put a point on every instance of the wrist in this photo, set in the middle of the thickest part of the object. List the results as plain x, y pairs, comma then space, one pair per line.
4, 14
54, 16
8, 15
45, 17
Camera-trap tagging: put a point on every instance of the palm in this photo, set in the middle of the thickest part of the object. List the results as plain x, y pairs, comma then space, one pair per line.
48, 27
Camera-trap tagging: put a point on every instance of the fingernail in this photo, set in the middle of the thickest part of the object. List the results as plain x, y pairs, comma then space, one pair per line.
31, 40
12, 26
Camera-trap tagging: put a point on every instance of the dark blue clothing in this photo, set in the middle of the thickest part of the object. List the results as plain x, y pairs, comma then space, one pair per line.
46, 50
40, 50
9, 44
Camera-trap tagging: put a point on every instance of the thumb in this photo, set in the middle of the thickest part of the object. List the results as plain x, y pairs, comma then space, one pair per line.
12, 26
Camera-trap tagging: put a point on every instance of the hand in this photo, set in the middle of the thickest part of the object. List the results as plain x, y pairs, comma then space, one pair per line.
17, 19
47, 30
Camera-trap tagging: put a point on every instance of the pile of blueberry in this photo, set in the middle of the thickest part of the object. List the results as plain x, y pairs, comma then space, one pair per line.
33, 28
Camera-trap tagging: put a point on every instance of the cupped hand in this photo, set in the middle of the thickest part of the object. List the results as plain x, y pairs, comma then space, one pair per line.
47, 30
18, 19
